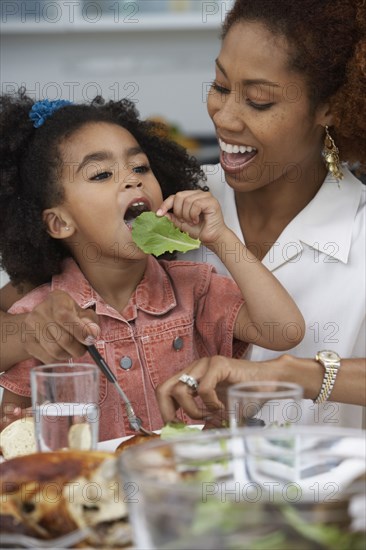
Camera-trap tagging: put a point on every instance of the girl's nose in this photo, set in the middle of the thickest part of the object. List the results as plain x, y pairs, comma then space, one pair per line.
132, 182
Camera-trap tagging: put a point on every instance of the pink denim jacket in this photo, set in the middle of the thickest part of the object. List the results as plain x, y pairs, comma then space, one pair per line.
179, 312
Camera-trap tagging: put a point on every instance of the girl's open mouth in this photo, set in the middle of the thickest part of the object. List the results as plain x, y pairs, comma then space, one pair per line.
134, 209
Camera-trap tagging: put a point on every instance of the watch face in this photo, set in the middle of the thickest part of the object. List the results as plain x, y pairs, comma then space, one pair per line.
329, 355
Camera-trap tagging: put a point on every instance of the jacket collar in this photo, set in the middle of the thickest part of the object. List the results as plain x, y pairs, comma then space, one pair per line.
154, 294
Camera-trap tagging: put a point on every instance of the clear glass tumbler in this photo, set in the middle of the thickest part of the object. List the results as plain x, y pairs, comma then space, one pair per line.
65, 406
264, 404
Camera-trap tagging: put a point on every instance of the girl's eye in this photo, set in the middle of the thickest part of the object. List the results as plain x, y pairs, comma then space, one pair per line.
259, 106
220, 89
143, 169
101, 176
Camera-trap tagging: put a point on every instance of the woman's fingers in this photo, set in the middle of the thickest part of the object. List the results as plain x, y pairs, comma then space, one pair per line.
170, 399
214, 375
174, 393
57, 328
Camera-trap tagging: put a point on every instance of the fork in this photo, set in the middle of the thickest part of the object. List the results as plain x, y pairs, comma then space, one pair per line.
134, 421
65, 541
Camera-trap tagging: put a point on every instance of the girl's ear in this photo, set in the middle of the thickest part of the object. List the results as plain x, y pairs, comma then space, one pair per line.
57, 225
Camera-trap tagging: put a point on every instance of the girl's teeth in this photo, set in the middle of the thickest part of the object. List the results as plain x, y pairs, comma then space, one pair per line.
236, 149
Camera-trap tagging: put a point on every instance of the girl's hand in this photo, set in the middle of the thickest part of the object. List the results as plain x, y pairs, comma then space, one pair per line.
197, 213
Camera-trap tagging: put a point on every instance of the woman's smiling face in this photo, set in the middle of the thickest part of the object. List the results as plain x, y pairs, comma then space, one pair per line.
107, 181
260, 108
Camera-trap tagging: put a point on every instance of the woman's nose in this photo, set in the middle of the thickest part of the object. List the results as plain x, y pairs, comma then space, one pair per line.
228, 114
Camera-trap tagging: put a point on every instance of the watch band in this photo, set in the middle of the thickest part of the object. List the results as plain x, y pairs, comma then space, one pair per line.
331, 368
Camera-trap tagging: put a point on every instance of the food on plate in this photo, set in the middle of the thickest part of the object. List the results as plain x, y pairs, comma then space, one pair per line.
135, 440
173, 430
46, 495
157, 235
18, 438
170, 430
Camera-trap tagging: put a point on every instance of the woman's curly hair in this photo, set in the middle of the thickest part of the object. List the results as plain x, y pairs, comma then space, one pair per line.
31, 160
327, 40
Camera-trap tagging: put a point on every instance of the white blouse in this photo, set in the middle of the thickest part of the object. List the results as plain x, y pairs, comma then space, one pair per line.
320, 258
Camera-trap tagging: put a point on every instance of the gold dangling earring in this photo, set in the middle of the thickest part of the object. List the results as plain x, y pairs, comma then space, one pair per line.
331, 156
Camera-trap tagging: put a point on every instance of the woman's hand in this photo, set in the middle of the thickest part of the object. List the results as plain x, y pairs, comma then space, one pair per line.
197, 213
214, 375
57, 328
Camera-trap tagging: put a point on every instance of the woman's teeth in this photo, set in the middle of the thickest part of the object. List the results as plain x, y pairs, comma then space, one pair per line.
228, 148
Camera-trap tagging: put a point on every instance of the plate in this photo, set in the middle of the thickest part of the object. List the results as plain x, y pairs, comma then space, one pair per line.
111, 444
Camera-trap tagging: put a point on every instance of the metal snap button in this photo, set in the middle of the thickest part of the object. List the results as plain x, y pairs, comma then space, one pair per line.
178, 343
125, 362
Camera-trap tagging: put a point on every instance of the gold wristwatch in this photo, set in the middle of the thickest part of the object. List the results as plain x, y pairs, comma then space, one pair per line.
331, 363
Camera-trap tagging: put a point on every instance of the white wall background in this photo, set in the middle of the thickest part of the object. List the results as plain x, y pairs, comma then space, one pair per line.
161, 60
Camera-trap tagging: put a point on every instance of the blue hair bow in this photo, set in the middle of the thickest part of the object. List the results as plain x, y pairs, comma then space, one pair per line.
42, 110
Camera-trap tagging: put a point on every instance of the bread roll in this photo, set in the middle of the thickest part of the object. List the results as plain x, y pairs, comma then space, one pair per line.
80, 436
18, 438
50, 494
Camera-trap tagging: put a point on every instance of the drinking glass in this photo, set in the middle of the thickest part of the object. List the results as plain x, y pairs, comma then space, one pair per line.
264, 404
65, 406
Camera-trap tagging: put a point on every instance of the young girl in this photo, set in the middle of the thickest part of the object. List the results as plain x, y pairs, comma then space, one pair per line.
74, 177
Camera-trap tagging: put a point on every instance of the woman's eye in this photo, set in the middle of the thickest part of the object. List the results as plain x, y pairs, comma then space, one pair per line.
259, 106
101, 176
143, 169
220, 89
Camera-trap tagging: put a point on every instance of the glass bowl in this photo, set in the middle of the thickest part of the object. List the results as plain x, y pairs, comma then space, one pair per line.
252, 489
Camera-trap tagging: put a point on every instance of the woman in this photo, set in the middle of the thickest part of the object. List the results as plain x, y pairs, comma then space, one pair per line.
290, 89
290, 79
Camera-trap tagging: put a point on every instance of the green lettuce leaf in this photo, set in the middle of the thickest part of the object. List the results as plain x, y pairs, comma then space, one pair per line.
156, 235
177, 429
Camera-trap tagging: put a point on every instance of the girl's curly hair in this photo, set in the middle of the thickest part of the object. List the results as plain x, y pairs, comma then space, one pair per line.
30, 163
327, 42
